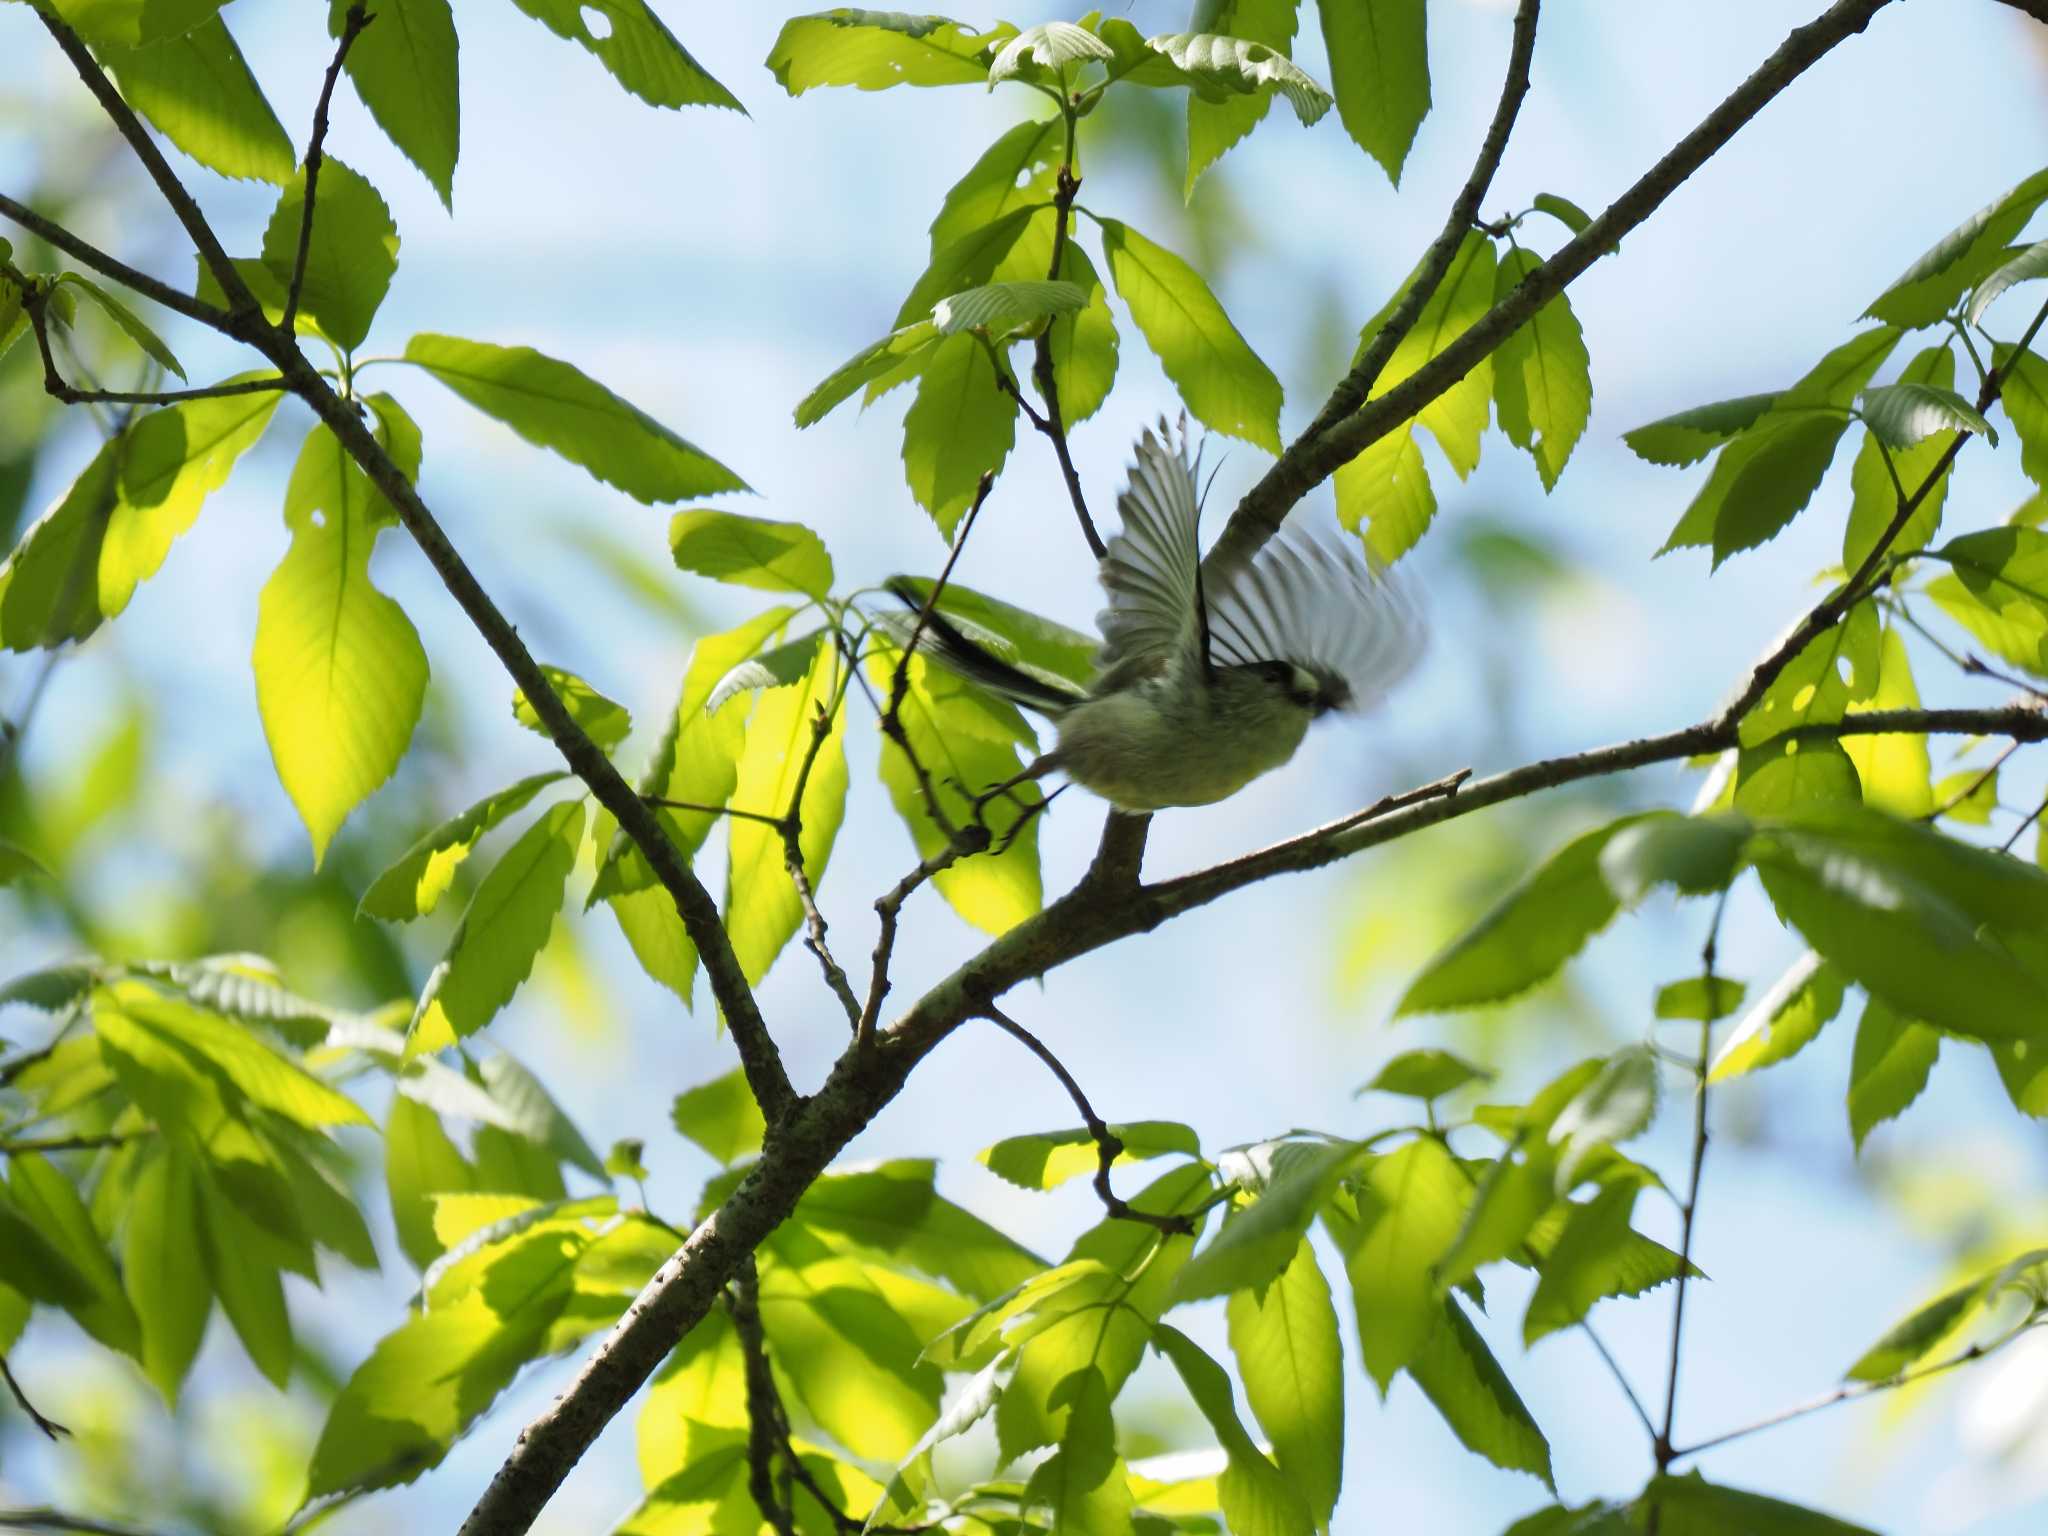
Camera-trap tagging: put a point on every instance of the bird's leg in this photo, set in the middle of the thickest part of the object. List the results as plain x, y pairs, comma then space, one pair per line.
1036, 769
1026, 816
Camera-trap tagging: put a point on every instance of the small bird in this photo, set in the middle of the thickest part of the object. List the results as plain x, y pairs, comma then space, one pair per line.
1200, 686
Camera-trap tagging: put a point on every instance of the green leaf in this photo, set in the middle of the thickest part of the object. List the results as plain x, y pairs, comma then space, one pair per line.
874, 50
1893, 1058
1386, 490
1565, 211
1215, 126
168, 463
1915, 1338
960, 427
420, 1162
1218, 375
762, 911
874, 361
1587, 1263
250, 1290
1941, 931
1787, 773
1284, 1338
751, 551
555, 406
629, 40
1418, 1197
1837, 668
50, 1205
414, 885
964, 738
852, 1358
1893, 768
1047, 1159
1457, 417
1542, 377
1695, 855
350, 259
1691, 1506
1690, 436
605, 722
1963, 257
1904, 414
1082, 1486
722, 1117
1997, 589
341, 676
1784, 1021
1015, 172
18, 863
1769, 471
890, 1212
128, 321
1529, 933
1464, 1382
504, 929
1259, 1241
1052, 46
1705, 998
197, 89
403, 68
1042, 647
780, 666
1425, 1074
1219, 66
997, 307
1968, 797
525, 1109
34, 1265
1616, 1106
967, 262
1259, 1499
2029, 264
1379, 66
130, 23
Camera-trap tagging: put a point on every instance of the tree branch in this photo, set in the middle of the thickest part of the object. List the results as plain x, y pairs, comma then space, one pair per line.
792, 829
1108, 1145
56, 235
352, 26
1310, 460
46, 1519
36, 301
48, 1426
767, 1429
1051, 423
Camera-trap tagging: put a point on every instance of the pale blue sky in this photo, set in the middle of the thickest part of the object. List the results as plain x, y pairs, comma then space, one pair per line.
712, 268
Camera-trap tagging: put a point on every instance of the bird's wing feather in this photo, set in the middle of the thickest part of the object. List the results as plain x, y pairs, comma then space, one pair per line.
1152, 563
1329, 609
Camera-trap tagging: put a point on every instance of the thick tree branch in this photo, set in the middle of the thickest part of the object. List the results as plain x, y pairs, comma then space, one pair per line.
1108, 1145
352, 25
56, 235
1312, 459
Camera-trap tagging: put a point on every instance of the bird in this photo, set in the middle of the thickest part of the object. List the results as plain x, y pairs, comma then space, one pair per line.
1201, 684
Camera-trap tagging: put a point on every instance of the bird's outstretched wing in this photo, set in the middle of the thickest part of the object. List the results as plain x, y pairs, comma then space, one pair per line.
1153, 563
1326, 608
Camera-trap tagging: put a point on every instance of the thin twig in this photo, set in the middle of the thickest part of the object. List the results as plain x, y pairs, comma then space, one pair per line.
46, 1519
1690, 1210
30, 1144
714, 810
1108, 1146
766, 1434
55, 234
1620, 1379
352, 25
1974, 785
1311, 458
970, 839
1052, 424
37, 303
2020, 831
792, 829
42, 1421
1848, 1393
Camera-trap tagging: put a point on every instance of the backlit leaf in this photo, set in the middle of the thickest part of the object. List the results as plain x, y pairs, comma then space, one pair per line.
199, 91
1379, 68
1542, 377
403, 67
751, 551
351, 257
628, 38
415, 884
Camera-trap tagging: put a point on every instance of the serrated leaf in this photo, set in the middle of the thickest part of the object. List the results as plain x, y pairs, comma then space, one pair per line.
1832, 671
1418, 1197
1425, 1074
1014, 172
960, 427
1385, 492
1258, 1498
1220, 378
197, 89
1695, 855
871, 363
1927, 289
630, 41
1379, 67
1879, 472
1215, 126
1457, 417
751, 551
1691, 1506
1585, 1264
1284, 1338
403, 68
51, 1207
605, 722
1463, 1381
1260, 1240
1542, 377
851, 1356
1545, 920
1904, 414
504, 929
1616, 1106
1918, 1335
1052, 45
1047, 1159
1082, 1486
998, 306
128, 321
1997, 589
762, 911
1219, 66
2029, 264
558, 407
1783, 1021
780, 666
1890, 1067
874, 50
350, 259
414, 885
1689, 436
721, 1117
341, 676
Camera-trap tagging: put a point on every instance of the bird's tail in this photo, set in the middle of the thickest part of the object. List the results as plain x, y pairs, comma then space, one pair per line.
942, 640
